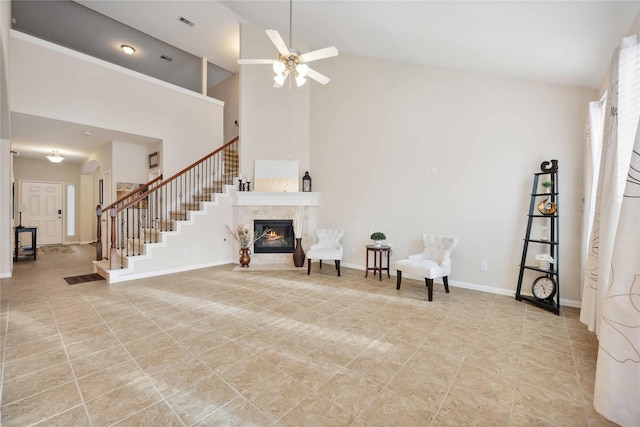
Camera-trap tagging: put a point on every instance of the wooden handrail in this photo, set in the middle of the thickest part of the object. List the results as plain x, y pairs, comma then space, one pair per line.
125, 197
159, 202
100, 211
200, 161
177, 175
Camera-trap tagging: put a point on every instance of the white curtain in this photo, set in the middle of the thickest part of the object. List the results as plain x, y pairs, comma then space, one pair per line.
591, 215
611, 302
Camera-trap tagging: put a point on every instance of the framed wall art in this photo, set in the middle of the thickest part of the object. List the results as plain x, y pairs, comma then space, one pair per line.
154, 160
101, 191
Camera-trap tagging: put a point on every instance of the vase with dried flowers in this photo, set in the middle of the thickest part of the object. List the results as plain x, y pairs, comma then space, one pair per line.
298, 252
246, 240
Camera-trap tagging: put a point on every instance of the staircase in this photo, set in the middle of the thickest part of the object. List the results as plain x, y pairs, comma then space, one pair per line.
171, 225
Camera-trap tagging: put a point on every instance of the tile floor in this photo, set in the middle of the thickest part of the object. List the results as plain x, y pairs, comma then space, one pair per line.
280, 348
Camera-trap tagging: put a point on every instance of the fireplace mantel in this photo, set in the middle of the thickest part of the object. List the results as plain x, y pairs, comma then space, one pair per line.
258, 198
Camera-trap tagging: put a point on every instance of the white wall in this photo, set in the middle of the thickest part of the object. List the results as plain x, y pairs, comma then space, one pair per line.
408, 149
131, 162
227, 91
635, 27
274, 123
6, 233
188, 249
50, 81
87, 209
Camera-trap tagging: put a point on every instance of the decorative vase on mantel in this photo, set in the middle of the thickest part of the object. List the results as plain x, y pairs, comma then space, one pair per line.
298, 253
245, 259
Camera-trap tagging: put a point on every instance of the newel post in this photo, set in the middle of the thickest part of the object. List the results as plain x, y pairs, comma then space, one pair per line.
113, 253
99, 233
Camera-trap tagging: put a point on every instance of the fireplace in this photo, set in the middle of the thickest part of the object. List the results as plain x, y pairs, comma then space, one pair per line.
280, 240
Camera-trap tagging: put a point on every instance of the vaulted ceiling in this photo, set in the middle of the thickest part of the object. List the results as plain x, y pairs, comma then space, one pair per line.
561, 42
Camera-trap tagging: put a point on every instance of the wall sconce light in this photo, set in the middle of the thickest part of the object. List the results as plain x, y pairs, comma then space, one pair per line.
55, 157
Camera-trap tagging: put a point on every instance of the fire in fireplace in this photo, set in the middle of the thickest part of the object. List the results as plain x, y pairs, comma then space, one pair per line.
279, 240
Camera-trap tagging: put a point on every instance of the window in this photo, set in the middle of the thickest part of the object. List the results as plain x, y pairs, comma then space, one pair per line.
71, 210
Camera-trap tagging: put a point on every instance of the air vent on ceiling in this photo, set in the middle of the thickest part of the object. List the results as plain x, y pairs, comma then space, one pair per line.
186, 21
166, 58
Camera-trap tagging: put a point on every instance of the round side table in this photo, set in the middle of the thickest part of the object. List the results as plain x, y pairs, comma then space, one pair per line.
377, 260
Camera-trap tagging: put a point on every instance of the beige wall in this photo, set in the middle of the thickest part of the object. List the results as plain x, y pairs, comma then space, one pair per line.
54, 82
227, 91
87, 208
635, 27
6, 233
408, 149
131, 162
45, 171
274, 123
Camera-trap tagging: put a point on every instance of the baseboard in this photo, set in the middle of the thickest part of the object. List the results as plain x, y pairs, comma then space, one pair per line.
128, 277
472, 286
5, 275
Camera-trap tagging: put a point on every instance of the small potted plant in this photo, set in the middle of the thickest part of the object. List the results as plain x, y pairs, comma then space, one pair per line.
547, 185
378, 237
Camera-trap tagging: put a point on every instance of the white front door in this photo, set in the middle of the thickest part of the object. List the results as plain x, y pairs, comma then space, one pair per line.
43, 202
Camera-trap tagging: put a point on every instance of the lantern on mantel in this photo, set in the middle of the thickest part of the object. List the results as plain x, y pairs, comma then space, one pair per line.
306, 182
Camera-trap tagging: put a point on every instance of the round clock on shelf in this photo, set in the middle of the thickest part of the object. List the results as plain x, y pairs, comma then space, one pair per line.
544, 288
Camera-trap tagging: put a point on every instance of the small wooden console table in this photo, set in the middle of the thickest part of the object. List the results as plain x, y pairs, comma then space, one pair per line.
377, 260
34, 242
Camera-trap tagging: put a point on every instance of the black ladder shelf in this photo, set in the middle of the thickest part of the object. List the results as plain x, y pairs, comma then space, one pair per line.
544, 210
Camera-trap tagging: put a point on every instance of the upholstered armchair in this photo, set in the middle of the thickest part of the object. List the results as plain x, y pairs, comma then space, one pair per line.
328, 247
433, 263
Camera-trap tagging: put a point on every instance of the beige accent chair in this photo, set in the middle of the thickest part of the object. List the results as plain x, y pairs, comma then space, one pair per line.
433, 263
328, 247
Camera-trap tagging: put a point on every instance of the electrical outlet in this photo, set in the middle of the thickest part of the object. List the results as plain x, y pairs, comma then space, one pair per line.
353, 250
185, 251
484, 265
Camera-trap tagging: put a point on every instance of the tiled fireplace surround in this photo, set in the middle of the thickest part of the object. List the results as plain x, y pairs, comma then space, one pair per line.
250, 205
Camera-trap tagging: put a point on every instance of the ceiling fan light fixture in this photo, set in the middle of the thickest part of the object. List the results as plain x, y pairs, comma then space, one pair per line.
279, 79
291, 61
278, 67
302, 69
55, 157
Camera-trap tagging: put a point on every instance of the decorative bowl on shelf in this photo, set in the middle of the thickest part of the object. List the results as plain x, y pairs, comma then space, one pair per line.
544, 261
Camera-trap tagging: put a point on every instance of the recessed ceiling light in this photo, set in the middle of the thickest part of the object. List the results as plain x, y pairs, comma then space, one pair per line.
127, 49
86, 132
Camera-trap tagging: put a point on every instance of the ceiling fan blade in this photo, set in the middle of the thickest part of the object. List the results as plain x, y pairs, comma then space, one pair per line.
320, 78
278, 42
327, 52
256, 61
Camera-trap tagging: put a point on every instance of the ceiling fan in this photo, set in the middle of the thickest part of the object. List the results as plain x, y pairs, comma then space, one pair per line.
290, 62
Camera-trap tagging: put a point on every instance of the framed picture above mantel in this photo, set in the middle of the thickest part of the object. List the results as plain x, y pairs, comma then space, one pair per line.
276, 176
154, 160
